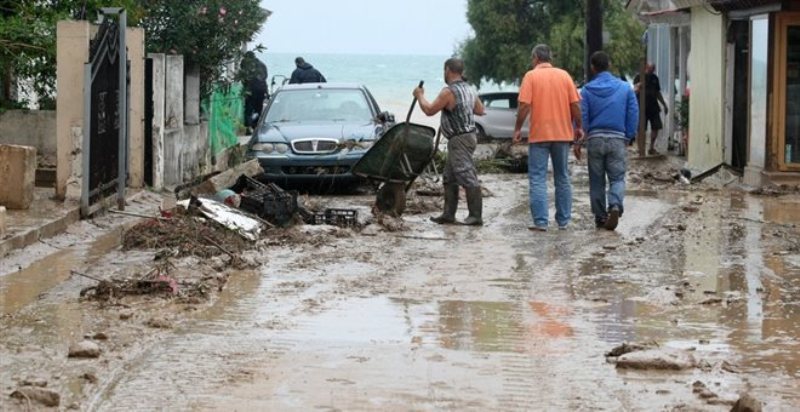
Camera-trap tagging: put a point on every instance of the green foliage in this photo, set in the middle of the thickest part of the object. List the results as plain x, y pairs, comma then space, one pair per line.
208, 33
27, 46
625, 45
507, 30
28, 40
682, 113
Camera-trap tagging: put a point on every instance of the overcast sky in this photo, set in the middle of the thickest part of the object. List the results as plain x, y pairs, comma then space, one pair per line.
364, 26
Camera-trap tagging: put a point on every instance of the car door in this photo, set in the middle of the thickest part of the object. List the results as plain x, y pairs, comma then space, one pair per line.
503, 107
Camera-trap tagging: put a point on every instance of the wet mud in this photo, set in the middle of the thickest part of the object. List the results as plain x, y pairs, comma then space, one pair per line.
449, 317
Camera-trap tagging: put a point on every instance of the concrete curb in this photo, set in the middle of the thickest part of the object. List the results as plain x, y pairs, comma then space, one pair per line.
56, 226
44, 231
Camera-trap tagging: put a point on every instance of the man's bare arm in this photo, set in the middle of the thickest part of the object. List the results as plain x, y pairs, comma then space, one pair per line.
523, 111
575, 112
577, 119
661, 100
479, 109
445, 99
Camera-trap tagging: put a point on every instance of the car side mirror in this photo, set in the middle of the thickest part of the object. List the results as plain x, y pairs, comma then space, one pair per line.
385, 117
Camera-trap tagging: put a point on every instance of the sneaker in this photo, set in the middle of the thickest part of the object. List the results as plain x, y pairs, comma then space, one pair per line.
653, 152
536, 228
613, 219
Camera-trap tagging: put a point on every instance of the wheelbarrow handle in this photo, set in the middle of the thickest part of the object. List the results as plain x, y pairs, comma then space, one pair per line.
413, 103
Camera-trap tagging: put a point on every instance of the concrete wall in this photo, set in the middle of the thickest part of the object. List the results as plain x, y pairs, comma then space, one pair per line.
135, 40
181, 149
35, 128
707, 71
173, 121
72, 51
759, 93
195, 143
159, 90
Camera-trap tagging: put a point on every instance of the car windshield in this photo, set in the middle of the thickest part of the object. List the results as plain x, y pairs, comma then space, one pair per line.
319, 105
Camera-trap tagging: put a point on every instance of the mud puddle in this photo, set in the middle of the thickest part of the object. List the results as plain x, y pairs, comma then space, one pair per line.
22, 287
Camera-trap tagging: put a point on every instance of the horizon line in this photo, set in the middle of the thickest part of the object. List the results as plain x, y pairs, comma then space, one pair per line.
301, 53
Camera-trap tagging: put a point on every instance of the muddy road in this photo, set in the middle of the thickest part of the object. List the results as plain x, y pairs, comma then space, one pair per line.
434, 317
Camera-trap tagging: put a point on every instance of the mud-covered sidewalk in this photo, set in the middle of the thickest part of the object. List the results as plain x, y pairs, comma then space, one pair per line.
408, 315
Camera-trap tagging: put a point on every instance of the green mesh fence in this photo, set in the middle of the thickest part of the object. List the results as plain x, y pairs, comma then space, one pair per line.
225, 111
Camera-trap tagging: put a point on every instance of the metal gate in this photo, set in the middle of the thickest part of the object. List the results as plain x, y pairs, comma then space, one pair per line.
105, 132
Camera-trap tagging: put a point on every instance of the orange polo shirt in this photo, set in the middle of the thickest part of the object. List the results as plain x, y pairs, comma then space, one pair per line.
549, 91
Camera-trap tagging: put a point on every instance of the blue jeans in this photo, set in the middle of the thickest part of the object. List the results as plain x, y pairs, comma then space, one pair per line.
538, 155
607, 159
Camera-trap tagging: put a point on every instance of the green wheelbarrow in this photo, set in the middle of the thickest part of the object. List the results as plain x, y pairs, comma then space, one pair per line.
396, 160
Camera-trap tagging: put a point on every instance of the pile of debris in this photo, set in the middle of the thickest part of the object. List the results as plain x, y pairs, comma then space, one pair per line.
163, 281
184, 233
241, 188
154, 282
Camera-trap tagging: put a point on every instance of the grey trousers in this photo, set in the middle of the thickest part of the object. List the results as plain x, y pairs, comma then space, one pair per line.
460, 168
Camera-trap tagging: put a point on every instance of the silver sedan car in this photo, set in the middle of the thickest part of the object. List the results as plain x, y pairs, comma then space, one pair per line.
501, 114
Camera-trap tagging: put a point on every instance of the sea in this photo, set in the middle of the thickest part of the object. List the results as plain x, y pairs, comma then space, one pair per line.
389, 77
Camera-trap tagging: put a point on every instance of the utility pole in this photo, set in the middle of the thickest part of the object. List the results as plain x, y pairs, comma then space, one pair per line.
594, 33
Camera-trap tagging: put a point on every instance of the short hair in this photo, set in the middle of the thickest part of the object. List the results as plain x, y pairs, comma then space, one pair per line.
600, 61
541, 52
455, 65
299, 60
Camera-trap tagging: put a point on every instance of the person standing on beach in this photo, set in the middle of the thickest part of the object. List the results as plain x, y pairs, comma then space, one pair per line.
458, 103
611, 115
305, 73
548, 98
652, 111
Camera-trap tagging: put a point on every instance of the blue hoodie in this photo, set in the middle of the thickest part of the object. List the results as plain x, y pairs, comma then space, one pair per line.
609, 108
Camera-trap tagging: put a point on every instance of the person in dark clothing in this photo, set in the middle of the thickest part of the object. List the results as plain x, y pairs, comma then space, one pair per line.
305, 73
254, 75
653, 97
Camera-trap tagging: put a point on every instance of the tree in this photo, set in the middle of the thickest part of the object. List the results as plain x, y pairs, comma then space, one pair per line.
27, 47
28, 41
507, 30
208, 33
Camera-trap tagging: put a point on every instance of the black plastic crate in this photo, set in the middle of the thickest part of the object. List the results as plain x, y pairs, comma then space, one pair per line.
336, 217
268, 201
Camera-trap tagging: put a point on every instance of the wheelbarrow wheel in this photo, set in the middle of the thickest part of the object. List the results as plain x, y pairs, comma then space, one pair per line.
392, 198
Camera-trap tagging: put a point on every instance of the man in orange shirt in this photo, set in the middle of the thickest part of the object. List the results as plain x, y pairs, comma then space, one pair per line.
548, 95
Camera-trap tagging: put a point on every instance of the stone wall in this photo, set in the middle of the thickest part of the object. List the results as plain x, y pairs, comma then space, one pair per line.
36, 128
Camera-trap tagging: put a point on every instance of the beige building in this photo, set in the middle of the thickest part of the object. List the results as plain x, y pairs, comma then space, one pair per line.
743, 80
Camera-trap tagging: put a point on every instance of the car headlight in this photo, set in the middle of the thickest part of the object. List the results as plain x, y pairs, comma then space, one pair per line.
263, 147
364, 144
281, 148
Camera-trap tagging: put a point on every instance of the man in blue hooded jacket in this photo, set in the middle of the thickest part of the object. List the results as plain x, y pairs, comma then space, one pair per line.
611, 117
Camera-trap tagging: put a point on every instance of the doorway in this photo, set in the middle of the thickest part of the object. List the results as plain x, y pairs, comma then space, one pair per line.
739, 37
148, 122
787, 88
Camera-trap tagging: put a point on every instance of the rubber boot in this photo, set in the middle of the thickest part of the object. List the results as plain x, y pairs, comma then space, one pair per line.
448, 215
475, 205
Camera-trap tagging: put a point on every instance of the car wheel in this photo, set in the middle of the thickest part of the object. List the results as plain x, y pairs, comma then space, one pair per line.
391, 198
482, 137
